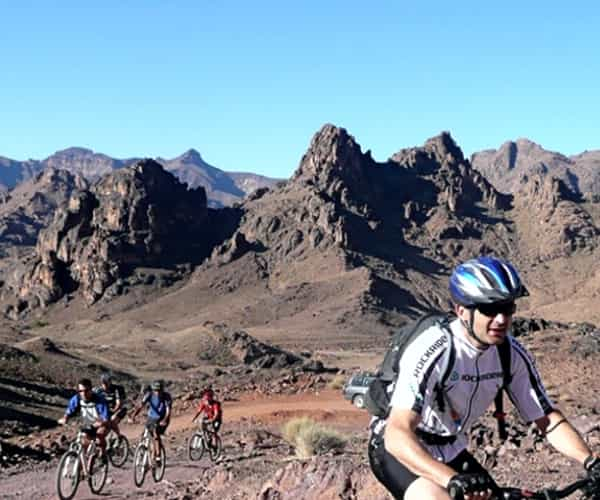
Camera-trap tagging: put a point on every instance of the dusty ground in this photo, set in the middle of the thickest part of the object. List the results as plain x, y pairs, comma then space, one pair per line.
259, 464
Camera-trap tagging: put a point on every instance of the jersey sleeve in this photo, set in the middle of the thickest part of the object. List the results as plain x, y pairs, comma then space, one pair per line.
73, 406
526, 390
419, 371
102, 409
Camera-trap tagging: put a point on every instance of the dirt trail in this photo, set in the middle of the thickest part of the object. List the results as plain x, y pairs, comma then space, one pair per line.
328, 406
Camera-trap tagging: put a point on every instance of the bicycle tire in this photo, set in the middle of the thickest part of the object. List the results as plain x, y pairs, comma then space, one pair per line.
97, 474
196, 447
215, 447
140, 465
158, 471
119, 451
68, 468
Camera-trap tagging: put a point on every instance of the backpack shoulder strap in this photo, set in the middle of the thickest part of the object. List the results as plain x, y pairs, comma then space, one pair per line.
448, 358
504, 352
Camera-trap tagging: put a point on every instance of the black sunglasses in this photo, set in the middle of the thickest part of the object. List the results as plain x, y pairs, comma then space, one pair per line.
492, 310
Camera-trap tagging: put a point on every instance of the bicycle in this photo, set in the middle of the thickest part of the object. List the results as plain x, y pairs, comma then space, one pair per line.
144, 460
79, 463
202, 439
117, 448
587, 485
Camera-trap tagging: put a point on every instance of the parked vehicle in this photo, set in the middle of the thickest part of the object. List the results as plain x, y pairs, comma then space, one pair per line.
356, 387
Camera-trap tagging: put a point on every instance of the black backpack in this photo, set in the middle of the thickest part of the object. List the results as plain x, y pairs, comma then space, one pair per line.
377, 397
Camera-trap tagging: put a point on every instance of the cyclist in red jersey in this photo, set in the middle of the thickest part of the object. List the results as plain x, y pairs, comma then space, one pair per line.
210, 409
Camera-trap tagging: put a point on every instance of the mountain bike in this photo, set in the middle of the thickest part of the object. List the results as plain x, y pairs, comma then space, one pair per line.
117, 448
205, 438
79, 463
589, 488
144, 460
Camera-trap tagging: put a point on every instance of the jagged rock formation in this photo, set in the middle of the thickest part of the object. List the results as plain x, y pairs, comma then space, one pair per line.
348, 230
139, 216
551, 221
505, 166
30, 207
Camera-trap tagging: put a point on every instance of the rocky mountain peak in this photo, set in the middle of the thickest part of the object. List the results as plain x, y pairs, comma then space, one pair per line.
335, 165
444, 148
73, 152
332, 153
191, 156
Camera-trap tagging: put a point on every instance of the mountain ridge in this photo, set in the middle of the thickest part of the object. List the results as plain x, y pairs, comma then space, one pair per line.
223, 188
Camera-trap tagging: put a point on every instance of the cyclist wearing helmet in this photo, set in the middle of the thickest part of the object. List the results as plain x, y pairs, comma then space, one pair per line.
210, 409
93, 410
419, 450
159, 403
115, 397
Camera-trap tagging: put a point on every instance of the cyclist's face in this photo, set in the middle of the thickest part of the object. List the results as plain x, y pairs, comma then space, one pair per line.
492, 325
84, 392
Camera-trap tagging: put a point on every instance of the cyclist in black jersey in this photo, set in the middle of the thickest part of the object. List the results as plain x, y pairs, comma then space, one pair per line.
115, 397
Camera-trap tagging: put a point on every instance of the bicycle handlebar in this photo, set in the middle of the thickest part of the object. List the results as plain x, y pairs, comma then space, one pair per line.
544, 494
547, 493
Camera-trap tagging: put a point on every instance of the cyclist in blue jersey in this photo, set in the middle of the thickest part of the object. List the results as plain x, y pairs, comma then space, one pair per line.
158, 402
93, 410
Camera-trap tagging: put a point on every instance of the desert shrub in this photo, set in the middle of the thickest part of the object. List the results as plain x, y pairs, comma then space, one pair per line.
39, 323
311, 438
337, 382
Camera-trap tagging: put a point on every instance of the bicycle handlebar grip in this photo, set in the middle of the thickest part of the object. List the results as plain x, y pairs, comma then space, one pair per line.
455, 492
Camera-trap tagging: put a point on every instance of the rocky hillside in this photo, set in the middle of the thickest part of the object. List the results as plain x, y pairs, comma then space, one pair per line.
140, 216
30, 206
222, 188
506, 167
346, 249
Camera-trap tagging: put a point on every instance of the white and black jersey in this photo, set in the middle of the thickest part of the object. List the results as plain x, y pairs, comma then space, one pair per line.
474, 378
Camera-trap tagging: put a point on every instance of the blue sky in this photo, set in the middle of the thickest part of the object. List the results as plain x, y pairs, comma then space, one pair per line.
248, 83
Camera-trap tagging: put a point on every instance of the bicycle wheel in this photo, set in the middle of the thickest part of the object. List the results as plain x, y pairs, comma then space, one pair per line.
97, 474
196, 447
119, 451
215, 447
68, 475
140, 464
158, 472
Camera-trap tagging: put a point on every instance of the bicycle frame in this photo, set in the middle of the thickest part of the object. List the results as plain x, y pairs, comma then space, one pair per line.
83, 452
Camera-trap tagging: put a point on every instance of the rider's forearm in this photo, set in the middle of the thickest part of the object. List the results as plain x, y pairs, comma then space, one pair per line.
563, 436
406, 448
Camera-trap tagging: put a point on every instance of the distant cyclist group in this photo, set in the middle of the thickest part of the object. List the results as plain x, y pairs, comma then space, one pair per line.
101, 410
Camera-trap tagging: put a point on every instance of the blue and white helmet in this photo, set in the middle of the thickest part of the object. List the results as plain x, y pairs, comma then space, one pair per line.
485, 280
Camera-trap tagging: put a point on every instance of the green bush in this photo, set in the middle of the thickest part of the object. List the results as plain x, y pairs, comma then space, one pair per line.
310, 438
